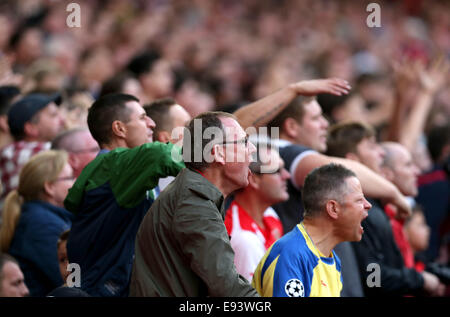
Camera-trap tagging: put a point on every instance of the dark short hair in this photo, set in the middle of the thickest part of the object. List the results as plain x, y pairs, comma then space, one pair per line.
21, 31
104, 112
322, 184
208, 120
343, 138
158, 111
329, 103
7, 94
115, 84
294, 110
143, 62
63, 237
437, 139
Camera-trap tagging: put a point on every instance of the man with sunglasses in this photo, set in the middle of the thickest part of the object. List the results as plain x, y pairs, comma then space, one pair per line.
250, 221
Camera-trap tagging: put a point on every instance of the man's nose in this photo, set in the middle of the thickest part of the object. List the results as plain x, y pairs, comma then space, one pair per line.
150, 123
61, 119
325, 123
24, 290
416, 171
285, 174
367, 205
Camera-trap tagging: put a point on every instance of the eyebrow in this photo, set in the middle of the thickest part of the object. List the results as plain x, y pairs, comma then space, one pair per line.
238, 138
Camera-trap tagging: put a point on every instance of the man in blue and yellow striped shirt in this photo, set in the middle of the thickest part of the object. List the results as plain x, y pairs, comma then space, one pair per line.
302, 263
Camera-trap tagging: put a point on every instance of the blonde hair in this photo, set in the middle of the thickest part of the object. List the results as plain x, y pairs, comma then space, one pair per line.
41, 168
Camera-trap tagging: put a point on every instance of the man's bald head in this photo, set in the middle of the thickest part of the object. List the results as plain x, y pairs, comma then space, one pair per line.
399, 168
80, 145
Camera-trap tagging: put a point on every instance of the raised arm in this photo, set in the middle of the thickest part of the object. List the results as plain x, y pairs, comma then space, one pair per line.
431, 81
413, 77
374, 185
262, 111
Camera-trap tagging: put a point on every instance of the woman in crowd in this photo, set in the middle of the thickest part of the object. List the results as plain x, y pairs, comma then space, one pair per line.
34, 217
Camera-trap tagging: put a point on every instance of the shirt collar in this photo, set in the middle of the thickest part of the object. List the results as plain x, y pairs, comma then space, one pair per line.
103, 151
204, 187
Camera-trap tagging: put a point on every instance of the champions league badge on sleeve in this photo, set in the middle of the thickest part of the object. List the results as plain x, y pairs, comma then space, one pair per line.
294, 288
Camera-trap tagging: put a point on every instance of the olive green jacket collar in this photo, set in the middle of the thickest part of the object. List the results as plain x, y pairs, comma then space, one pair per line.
204, 188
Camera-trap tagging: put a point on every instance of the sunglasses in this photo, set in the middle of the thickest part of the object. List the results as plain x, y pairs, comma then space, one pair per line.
241, 141
67, 178
277, 171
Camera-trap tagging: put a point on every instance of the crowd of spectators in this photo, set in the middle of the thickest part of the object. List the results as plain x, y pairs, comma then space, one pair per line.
221, 53
181, 58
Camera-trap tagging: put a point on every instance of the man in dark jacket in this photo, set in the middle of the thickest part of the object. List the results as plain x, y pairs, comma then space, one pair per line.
113, 193
356, 141
182, 246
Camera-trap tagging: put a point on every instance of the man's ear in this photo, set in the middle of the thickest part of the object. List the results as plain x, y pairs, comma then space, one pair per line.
333, 208
253, 181
218, 154
445, 152
163, 137
30, 129
4, 124
73, 159
119, 129
387, 173
290, 127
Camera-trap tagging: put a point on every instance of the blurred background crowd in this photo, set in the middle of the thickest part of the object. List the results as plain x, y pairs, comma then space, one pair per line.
216, 54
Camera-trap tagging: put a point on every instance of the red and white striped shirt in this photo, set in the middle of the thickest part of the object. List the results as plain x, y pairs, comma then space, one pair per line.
12, 158
248, 240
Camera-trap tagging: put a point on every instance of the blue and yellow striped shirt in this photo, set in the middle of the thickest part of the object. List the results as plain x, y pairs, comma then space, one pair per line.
293, 267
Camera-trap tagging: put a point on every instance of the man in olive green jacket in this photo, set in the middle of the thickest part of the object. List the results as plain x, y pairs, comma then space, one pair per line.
182, 247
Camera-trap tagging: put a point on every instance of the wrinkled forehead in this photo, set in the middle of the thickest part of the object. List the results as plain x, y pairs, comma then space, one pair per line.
397, 154
233, 130
312, 106
12, 271
135, 108
353, 184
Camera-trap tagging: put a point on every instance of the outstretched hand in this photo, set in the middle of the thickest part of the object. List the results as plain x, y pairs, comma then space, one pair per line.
433, 78
334, 86
408, 73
